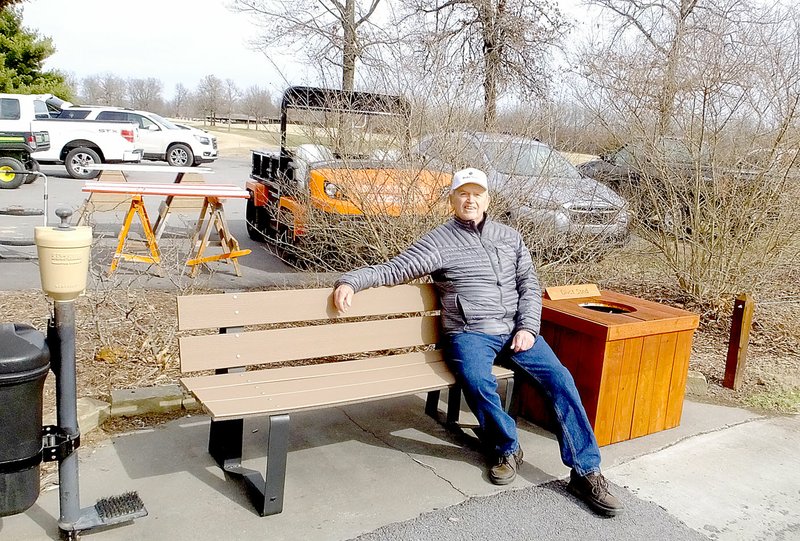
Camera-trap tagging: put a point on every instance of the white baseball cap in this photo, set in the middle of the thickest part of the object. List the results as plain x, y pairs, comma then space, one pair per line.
470, 175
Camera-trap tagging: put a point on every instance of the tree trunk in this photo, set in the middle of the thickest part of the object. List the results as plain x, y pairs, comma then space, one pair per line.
669, 89
491, 62
349, 48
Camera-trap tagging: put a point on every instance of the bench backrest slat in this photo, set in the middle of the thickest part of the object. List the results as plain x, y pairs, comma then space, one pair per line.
309, 342
285, 306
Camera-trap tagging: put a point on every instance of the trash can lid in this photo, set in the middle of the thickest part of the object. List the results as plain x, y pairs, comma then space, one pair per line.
22, 348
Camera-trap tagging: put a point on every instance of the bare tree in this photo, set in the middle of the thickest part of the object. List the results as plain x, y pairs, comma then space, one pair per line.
210, 97
105, 89
180, 101
721, 84
146, 94
231, 95
333, 31
665, 32
502, 42
257, 103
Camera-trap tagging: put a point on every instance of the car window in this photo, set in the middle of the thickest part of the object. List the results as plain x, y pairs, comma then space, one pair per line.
40, 109
78, 114
627, 155
471, 156
113, 116
167, 124
9, 109
525, 158
143, 122
453, 150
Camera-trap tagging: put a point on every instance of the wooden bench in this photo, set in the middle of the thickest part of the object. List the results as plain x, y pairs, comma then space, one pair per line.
303, 324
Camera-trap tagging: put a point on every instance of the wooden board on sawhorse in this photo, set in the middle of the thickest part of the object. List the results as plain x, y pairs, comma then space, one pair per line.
212, 216
104, 202
136, 209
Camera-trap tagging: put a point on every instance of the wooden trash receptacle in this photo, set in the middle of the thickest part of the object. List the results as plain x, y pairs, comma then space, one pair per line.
629, 358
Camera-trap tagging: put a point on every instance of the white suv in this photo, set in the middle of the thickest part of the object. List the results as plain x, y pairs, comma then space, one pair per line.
160, 138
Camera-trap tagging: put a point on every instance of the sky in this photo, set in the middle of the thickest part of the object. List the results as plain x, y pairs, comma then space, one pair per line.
176, 41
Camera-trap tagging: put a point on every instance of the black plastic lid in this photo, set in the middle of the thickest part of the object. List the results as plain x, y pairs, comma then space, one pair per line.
22, 348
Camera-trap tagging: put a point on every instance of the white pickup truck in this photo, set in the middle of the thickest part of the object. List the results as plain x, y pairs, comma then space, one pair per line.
74, 143
161, 139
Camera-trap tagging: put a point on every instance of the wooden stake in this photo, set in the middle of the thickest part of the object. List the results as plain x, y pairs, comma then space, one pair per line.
741, 322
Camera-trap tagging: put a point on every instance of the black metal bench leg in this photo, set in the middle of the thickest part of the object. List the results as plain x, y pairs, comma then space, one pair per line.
432, 404
225, 443
453, 404
275, 479
225, 446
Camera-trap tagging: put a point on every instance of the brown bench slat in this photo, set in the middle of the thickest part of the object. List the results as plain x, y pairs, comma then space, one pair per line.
310, 371
275, 389
295, 343
236, 408
323, 398
284, 306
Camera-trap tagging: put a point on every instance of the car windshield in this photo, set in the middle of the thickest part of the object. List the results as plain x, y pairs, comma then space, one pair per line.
164, 122
528, 159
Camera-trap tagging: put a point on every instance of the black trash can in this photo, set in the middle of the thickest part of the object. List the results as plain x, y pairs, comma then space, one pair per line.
24, 362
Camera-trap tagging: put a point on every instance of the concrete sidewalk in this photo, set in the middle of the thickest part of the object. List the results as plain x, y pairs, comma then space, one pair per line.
384, 470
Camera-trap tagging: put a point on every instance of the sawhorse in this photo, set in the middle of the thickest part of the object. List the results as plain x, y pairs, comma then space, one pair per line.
212, 216
137, 208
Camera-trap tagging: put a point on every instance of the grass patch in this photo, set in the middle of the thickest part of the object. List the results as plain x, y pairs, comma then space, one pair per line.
781, 400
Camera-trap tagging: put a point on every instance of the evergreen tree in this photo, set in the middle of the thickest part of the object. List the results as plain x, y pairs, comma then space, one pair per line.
22, 53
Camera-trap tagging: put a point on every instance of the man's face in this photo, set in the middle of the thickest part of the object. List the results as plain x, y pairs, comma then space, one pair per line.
470, 202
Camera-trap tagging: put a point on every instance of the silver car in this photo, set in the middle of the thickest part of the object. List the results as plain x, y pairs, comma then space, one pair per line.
534, 185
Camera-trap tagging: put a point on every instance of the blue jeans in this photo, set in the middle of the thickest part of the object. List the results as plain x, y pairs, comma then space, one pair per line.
471, 355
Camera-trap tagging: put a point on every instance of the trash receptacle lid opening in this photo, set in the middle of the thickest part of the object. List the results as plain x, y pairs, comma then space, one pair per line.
608, 307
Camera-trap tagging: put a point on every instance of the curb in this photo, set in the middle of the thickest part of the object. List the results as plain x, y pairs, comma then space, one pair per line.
92, 413
161, 399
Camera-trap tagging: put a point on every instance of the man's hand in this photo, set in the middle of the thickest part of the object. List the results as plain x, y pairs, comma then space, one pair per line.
343, 297
523, 341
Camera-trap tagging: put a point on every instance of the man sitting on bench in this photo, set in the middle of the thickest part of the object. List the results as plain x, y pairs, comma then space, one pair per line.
491, 310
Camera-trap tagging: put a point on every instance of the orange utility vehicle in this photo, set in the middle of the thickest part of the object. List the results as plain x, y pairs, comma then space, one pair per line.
349, 158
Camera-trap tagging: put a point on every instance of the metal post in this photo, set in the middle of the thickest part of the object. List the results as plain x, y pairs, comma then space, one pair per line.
741, 322
59, 261
67, 413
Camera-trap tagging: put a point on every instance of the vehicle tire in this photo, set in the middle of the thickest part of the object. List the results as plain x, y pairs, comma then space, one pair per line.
9, 177
76, 161
33, 165
180, 155
257, 221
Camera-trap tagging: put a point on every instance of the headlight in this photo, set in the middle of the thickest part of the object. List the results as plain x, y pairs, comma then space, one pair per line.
203, 140
331, 190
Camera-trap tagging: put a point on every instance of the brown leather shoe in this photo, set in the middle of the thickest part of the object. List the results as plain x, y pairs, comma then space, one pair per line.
505, 470
592, 489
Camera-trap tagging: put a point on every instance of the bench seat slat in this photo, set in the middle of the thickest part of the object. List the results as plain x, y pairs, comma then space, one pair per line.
274, 389
284, 306
238, 405
310, 371
310, 342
